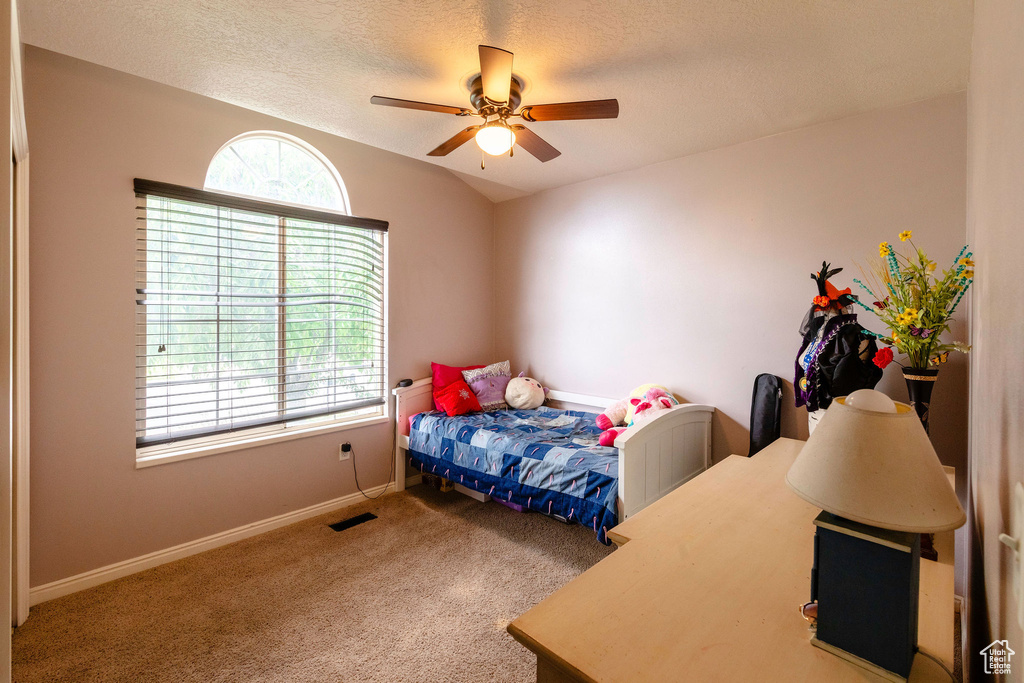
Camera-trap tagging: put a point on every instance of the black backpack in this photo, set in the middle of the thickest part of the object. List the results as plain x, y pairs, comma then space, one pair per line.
765, 412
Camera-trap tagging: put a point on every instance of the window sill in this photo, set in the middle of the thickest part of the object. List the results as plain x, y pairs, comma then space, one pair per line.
187, 452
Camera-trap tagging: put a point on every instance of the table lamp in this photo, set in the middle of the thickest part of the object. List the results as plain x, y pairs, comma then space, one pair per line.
872, 470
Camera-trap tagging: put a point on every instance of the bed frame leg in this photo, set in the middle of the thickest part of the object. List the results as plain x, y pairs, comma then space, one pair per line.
399, 468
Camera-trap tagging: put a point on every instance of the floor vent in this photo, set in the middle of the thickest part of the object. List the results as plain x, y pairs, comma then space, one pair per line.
352, 521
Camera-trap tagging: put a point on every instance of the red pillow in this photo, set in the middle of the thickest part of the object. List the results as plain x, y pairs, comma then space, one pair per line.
443, 375
457, 399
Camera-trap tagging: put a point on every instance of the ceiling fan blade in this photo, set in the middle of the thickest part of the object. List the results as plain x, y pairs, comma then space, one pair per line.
495, 72
534, 144
453, 143
565, 111
422, 106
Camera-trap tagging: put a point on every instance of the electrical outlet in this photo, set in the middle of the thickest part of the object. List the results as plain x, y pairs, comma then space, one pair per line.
344, 451
1014, 540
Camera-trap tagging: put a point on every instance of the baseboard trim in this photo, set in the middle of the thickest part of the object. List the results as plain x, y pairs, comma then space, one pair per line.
95, 577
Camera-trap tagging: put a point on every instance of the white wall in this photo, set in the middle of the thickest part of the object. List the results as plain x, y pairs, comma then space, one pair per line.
92, 130
695, 273
996, 222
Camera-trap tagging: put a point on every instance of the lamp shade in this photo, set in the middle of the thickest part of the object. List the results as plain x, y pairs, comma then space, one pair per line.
876, 468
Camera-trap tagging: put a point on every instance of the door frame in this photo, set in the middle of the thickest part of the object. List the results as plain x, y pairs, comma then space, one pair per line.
20, 379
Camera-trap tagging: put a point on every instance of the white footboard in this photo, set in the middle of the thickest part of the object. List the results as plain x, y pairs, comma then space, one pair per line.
661, 455
653, 459
409, 401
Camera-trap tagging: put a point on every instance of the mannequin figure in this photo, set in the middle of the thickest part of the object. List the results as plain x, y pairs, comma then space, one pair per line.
835, 354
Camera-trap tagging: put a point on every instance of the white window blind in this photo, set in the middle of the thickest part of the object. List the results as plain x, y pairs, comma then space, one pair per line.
251, 313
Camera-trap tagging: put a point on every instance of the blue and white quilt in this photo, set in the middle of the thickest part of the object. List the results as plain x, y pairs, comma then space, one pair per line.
545, 460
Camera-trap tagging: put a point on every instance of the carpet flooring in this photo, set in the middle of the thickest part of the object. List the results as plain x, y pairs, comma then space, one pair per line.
423, 593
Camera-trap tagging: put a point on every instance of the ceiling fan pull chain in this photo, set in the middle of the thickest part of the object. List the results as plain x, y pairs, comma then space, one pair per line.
483, 157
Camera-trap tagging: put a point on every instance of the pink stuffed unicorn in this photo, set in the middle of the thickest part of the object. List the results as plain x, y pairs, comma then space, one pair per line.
634, 411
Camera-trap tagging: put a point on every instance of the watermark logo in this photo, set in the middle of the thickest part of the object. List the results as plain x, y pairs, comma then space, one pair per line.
997, 657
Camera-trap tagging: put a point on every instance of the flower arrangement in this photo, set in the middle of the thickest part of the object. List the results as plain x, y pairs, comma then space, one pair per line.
917, 306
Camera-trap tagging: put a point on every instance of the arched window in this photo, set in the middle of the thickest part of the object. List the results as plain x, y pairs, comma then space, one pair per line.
278, 168
260, 302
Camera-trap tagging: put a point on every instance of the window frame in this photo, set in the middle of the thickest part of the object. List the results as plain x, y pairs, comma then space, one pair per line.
253, 437
250, 437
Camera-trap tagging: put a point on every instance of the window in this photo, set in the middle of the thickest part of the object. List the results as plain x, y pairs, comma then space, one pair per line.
277, 168
256, 314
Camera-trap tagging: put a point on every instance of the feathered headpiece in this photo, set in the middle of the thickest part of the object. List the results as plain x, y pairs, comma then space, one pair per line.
828, 296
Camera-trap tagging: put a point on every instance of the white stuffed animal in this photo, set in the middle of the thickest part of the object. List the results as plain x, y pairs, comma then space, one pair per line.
524, 393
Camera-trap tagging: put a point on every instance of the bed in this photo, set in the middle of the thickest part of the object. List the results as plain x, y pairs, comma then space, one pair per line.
548, 460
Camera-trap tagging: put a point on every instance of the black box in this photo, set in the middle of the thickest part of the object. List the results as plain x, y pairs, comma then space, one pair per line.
865, 581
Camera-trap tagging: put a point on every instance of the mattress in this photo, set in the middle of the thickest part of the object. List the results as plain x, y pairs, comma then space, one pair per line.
544, 460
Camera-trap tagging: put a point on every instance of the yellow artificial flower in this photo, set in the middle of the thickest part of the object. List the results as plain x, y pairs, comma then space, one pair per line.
883, 249
908, 316
895, 338
969, 273
930, 268
906, 235
966, 262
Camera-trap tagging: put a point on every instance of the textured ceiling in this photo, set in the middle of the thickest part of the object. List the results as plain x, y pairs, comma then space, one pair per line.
689, 75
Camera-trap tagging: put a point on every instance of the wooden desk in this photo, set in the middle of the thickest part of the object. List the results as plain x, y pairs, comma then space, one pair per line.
706, 586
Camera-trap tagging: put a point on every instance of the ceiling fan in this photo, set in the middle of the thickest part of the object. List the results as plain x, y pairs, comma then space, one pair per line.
495, 95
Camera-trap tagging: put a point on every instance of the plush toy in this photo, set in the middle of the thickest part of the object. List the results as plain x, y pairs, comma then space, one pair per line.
621, 412
524, 393
643, 404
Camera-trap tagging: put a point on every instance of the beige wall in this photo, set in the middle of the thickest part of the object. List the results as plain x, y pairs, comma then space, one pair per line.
996, 224
695, 272
92, 130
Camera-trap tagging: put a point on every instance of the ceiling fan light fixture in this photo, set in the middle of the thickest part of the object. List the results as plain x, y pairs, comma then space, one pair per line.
495, 138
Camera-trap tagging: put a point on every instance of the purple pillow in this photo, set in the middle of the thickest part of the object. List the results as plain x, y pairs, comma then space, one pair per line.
489, 384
